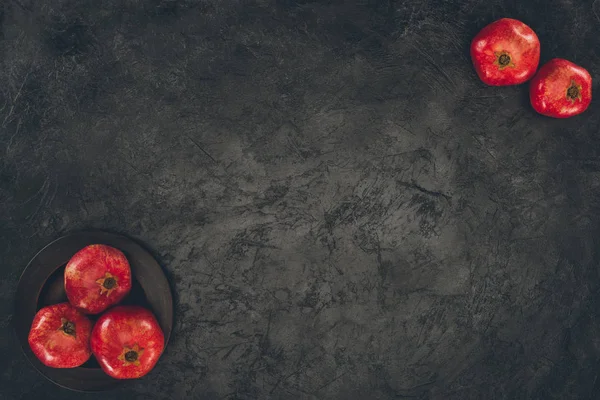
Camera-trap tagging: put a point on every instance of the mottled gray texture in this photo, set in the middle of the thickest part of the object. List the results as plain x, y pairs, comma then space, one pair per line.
344, 210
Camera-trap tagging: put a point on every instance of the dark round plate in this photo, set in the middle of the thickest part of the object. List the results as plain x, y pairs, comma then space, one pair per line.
42, 284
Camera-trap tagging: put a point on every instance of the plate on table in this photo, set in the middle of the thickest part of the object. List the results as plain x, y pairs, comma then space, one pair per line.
41, 284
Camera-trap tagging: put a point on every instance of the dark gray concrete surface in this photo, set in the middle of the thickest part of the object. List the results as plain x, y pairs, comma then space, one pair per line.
344, 210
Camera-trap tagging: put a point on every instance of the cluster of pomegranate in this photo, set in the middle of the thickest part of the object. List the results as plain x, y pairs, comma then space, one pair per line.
507, 52
127, 341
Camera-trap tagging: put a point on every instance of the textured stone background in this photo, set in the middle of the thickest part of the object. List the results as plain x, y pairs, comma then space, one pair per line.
344, 210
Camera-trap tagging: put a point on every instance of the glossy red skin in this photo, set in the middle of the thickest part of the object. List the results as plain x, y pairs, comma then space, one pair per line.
548, 89
506, 35
84, 270
122, 328
51, 345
